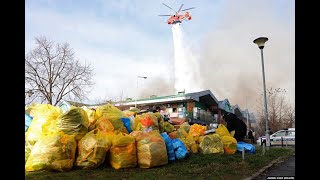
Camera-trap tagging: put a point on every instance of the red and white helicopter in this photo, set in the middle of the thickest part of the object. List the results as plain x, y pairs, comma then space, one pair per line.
178, 18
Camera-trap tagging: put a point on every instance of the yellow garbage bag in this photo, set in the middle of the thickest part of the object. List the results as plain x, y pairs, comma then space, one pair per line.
229, 144
123, 152
122, 139
161, 126
151, 149
104, 125
117, 123
222, 130
173, 135
41, 113
211, 144
197, 130
146, 122
191, 142
108, 110
27, 149
160, 122
73, 122
114, 115
185, 126
91, 113
123, 156
200, 139
168, 127
129, 113
54, 151
195, 148
181, 133
92, 149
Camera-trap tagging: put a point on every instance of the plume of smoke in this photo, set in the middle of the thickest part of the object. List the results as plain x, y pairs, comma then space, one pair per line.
158, 86
230, 61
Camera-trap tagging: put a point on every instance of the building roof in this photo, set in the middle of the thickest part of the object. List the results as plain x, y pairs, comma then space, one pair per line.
225, 105
205, 95
77, 104
237, 111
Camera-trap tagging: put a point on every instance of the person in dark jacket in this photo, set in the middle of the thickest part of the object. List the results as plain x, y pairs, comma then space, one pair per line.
270, 132
250, 136
237, 125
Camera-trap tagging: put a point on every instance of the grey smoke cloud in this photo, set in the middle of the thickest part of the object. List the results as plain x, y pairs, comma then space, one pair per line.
231, 62
157, 86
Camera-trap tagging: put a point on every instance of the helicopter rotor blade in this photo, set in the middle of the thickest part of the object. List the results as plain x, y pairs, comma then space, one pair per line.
169, 7
180, 8
187, 9
164, 15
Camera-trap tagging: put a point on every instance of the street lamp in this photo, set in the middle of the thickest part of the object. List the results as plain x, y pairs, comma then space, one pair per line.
260, 42
142, 77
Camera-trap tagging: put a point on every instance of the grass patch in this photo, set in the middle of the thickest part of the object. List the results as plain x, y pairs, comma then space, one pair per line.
196, 166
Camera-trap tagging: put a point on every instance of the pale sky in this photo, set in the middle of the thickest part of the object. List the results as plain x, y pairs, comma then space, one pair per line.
123, 39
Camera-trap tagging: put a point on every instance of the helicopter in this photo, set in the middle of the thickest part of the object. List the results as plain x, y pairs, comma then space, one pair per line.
178, 18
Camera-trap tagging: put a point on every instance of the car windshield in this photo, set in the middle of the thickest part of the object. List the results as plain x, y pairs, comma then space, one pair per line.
291, 133
279, 134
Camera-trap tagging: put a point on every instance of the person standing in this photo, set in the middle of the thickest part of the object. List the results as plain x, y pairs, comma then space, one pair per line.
237, 125
250, 135
253, 136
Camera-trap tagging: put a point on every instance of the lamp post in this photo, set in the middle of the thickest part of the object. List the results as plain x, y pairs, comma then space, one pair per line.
260, 42
142, 77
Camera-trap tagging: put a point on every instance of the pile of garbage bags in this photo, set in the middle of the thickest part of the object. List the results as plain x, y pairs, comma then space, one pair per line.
59, 139
196, 141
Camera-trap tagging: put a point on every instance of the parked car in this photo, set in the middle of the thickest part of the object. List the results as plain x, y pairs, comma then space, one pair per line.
280, 137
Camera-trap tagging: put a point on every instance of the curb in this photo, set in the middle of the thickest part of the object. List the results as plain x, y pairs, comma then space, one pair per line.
280, 159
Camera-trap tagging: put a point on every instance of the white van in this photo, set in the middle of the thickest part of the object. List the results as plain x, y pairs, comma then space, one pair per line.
280, 137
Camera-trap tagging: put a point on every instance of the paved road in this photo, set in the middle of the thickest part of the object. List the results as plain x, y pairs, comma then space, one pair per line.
286, 169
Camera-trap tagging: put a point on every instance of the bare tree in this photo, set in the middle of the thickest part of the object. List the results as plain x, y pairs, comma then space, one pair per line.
290, 113
53, 73
281, 114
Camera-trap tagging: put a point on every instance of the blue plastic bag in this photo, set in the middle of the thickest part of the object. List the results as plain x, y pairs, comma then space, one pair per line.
249, 148
126, 122
169, 146
180, 149
28, 120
